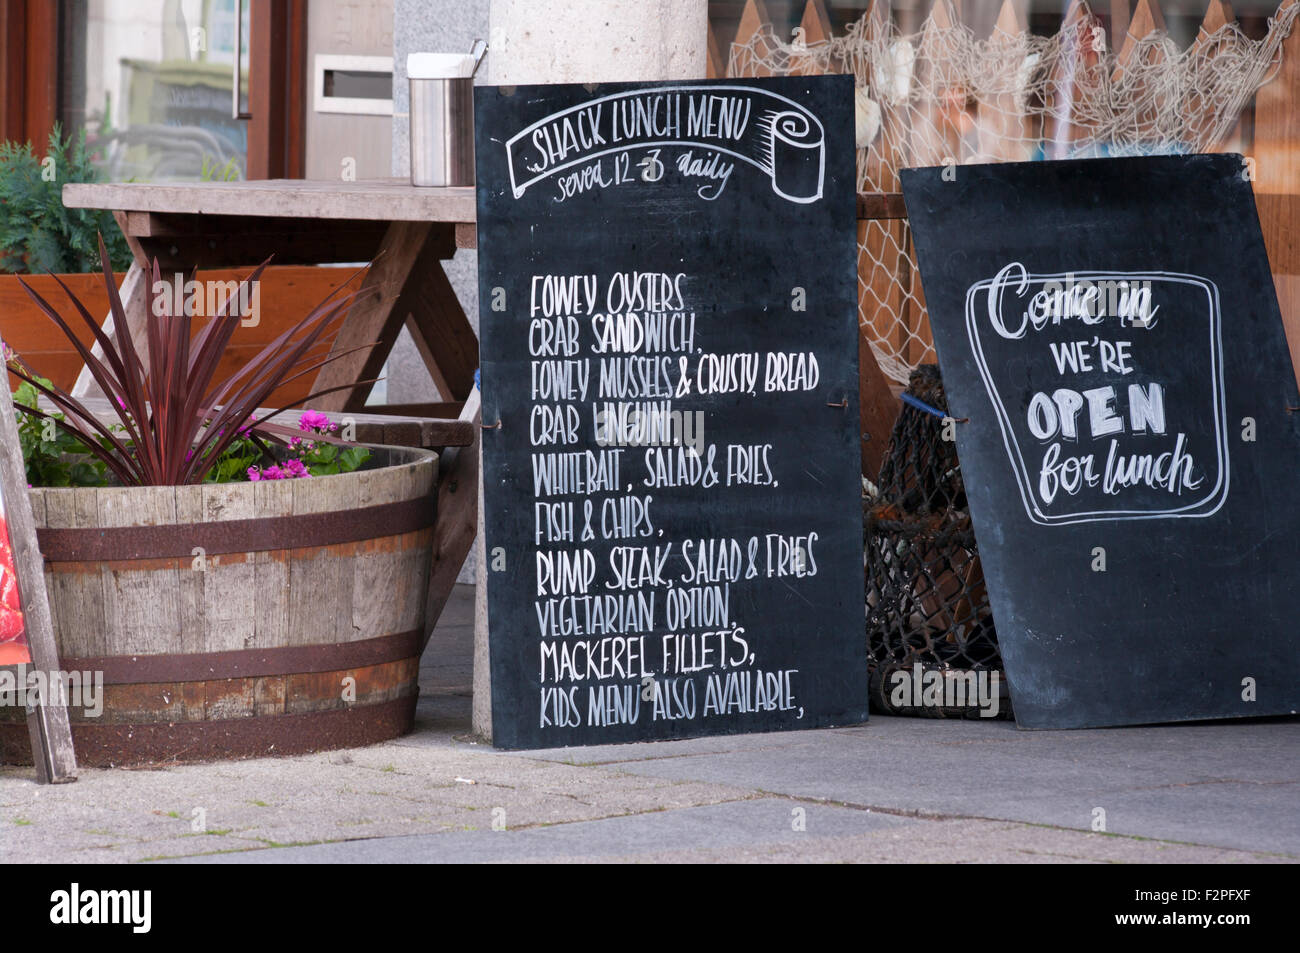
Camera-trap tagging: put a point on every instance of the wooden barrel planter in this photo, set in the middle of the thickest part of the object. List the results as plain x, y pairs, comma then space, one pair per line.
243, 619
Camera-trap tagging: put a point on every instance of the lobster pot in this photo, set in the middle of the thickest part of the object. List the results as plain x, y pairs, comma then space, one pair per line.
239, 620
925, 594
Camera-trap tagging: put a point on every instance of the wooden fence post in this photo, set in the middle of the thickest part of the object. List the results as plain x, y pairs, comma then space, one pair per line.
1277, 181
752, 20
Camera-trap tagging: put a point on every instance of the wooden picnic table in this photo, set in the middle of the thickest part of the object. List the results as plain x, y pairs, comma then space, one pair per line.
405, 232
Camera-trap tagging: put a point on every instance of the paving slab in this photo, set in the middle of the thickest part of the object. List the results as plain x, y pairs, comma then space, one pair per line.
1230, 784
743, 825
893, 790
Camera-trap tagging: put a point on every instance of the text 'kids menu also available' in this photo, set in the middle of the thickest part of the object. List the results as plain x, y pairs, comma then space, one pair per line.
671, 441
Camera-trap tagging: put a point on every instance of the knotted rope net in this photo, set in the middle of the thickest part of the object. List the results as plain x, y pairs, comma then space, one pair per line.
926, 601
942, 97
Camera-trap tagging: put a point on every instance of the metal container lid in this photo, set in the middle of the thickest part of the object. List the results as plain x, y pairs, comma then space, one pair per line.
440, 65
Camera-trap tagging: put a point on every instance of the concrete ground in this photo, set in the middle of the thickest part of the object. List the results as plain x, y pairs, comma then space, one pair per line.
896, 789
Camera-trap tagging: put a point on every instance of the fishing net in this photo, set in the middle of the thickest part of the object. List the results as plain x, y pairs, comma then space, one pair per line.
926, 601
942, 97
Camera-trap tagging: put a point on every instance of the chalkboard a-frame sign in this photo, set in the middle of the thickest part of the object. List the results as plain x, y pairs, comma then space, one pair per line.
671, 441
1110, 328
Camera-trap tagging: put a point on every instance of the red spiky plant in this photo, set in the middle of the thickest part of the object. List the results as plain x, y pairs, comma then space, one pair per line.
177, 418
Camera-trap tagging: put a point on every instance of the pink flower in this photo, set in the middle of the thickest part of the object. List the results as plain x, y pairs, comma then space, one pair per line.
313, 420
281, 471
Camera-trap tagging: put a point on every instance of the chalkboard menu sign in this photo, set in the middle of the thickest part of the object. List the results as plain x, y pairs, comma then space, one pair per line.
668, 296
1110, 329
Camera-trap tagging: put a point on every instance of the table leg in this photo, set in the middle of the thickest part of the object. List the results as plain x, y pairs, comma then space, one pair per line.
438, 325
375, 317
135, 299
453, 534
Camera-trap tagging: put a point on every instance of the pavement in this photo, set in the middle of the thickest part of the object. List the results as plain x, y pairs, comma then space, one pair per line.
893, 790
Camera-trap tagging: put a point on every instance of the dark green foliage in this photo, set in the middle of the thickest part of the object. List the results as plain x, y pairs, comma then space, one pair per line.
37, 233
60, 460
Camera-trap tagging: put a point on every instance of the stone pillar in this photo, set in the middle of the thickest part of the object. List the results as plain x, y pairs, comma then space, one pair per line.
430, 26
597, 41
581, 41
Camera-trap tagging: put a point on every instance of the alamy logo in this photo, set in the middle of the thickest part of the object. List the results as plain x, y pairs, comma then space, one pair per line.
99, 907
209, 298
945, 688
26, 687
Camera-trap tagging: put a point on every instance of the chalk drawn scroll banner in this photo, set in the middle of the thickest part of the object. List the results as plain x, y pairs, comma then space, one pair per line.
764, 129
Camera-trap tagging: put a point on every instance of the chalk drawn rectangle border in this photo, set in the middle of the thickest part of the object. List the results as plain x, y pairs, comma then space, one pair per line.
1204, 507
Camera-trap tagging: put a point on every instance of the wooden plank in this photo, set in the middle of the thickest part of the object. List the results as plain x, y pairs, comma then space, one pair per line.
192, 577
1005, 131
134, 293
815, 22
416, 421
41, 72
276, 99
373, 320
271, 568
873, 205
879, 409
1277, 181
78, 589
141, 598
752, 20
884, 155
320, 578
443, 409
47, 723
881, 297
1277, 121
382, 200
443, 335
1076, 78
285, 294
39, 340
1120, 12
138, 224
936, 133
251, 245
716, 66
1147, 18
1217, 15
453, 534
13, 56
813, 30
1198, 111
